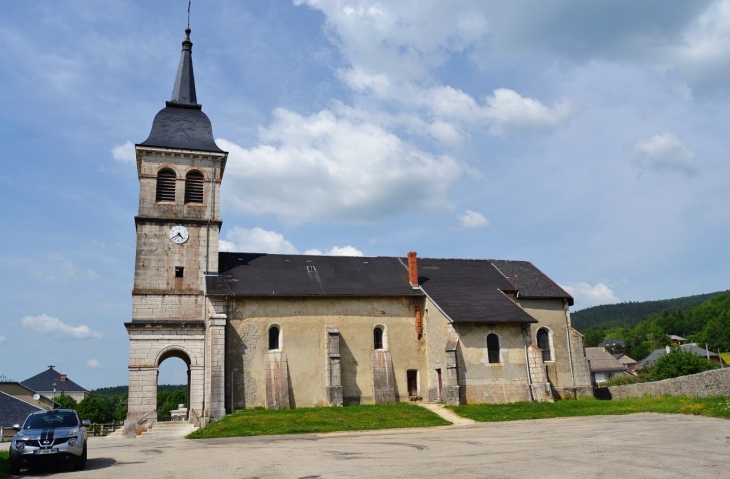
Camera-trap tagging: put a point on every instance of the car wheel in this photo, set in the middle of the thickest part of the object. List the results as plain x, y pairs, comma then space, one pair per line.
81, 461
14, 468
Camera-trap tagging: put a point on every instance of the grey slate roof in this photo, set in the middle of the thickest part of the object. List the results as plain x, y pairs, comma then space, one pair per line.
13, 410
658, 353
256, 274
531, 282
466, 290
44, 382
182, 123
612, 343
470, 290
601, 361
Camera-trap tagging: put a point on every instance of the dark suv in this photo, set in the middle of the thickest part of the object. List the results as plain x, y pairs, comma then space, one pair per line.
47, 437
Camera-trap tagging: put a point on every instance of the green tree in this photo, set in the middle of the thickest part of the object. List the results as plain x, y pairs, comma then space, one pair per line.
169, 400
717, 333
593, 337
66, 402
118, 405
95, 409
680, 363
657, 337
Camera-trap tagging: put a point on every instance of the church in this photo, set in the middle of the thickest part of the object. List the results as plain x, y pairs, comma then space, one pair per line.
284, 331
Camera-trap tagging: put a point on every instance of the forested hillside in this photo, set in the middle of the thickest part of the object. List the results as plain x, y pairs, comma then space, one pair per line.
628, 315
122, 390
708, 323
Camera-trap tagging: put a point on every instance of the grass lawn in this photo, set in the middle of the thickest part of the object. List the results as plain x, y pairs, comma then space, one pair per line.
4, 464
710, 406
257, 422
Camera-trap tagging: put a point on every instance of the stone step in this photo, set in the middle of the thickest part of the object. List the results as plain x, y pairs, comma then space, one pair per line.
169, 429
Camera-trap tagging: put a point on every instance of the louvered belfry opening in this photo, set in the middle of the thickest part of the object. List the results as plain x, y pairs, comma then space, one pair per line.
194, 187
165, 185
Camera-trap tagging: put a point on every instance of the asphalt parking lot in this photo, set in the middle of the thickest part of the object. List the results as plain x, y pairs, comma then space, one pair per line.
639, 445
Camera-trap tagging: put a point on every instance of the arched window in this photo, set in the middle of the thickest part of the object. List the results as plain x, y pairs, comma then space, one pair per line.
378, 338
165, 185
194, 187
273, 338
493, 348
543, 342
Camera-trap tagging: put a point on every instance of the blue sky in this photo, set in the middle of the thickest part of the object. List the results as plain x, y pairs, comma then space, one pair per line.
587, 137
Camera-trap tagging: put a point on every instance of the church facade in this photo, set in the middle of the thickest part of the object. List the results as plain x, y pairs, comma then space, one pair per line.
283, 331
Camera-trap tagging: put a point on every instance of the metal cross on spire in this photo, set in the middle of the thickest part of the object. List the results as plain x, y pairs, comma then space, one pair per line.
189, 1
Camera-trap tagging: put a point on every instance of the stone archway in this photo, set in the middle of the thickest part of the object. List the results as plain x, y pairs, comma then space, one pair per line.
150, 346
172, 353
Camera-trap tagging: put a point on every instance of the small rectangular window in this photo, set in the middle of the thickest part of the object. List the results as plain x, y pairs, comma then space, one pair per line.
311, 269
179, 271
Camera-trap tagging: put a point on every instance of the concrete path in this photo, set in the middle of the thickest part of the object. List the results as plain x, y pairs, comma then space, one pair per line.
633, 446
440, 410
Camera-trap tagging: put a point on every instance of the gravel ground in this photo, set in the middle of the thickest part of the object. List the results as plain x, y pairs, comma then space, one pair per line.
639, 445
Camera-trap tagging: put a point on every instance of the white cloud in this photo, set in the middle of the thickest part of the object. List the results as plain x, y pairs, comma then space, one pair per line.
256, 240
224, 245
259, 240
57, 268
404, 39
94, 364
586, 295
334, 166
91, 273
48, 325
2, 339
344, 251
507, 110
451, 112
665, 153
472, 219
125, 152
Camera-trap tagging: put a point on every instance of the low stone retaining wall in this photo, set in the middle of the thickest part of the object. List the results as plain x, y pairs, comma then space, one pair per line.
709, 383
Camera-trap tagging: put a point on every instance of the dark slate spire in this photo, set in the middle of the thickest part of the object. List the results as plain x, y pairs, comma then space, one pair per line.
184, 90
182, 123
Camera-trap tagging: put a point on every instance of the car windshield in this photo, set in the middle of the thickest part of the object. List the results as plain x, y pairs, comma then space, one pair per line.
51, 419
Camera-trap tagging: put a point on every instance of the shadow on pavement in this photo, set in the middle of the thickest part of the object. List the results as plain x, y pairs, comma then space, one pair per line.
92, 464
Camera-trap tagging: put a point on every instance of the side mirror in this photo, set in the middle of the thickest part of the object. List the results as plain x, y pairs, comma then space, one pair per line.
85, 423
17, 427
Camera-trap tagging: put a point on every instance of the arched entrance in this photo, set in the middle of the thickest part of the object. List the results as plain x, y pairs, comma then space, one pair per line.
194, 377
173, 386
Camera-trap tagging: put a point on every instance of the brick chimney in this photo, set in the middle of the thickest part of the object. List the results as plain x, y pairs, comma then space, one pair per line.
413, 269
63, 377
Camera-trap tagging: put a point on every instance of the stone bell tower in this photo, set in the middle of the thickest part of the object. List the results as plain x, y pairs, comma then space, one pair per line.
180, 170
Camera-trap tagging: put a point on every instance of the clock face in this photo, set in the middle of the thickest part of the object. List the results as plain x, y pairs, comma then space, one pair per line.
178, 234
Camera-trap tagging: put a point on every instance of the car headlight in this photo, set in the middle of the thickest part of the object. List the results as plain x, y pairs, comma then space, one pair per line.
73, 431
19, 446
73, 441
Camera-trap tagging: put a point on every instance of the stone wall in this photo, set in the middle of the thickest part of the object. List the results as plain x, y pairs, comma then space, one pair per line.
485, 382
553, 315
709, 383
304, 324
